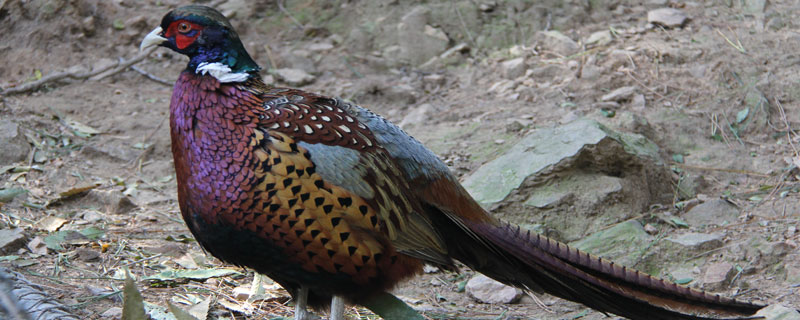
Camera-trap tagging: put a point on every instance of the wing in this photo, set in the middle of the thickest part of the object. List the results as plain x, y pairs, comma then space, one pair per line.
349, 166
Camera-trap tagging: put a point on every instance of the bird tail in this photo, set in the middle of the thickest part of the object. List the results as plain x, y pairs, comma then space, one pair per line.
528, 260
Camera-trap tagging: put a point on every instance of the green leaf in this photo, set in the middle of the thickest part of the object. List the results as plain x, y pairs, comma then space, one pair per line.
390, 307
54, 240
118, 24
133, 305
6, 195
679, 222
179, 313
684, 280
742, 115
677, 158
608, 113
80, 129
199, 274
93, 233
37, 74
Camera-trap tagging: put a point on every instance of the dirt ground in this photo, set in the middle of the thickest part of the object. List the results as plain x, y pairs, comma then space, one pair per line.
719, 96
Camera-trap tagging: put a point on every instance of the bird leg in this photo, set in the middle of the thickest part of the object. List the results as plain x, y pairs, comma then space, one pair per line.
337, 308
301, 299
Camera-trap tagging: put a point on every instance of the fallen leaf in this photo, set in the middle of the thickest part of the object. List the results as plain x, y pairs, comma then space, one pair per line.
133, 307
199, 274
51, 223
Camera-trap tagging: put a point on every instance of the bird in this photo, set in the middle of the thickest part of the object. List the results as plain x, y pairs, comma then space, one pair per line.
337, 204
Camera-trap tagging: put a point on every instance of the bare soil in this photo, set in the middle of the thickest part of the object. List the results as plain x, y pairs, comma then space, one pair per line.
696, 80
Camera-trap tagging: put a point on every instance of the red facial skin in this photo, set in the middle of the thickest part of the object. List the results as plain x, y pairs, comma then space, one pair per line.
184, 32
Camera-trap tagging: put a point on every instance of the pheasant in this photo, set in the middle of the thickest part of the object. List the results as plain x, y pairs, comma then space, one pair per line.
337, 204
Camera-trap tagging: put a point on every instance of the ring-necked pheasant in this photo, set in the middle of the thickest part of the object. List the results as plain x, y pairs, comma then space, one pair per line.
332, 201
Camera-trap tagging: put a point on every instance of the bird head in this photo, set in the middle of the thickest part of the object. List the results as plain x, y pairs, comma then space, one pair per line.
206, 37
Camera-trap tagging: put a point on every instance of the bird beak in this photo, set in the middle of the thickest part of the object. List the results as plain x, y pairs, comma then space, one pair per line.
153, 38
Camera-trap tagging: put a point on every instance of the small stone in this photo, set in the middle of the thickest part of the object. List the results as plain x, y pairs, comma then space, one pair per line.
88, 255
487, 290
429, 269
11, 240
401, 93
294, 77
619, 94
112, 313
638, 102
241, 293
558, 42
792, 269
416, 116
37, 246
718, 275
88, 25
697, 242
650, 229
500, 141
15, 147
487, 6
778, 312
434, 79
502, 86
322, 46
113, 201
713, 212
514, 68
667, 17
599, 38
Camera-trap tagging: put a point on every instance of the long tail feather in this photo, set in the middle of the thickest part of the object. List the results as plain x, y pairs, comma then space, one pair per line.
578, 276
527, 260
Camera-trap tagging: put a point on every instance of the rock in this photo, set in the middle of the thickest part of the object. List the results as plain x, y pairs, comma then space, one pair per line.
88, 26
638, 102
514, 68
15, 147
418, 41
88, 255
778, 312
718, 275
558, 42
522, 185
487, 290
416, 116
540, 150
792, 269
11, 240
320, 46
112, 313
401, 94
689, 185
714, 212
112, 201
667, 17
754, 6
616, 243
294, 77
599, 38
502, 86
619, 94
696, 242
236, 8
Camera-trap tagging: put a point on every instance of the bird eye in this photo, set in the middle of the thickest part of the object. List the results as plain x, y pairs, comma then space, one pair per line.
184, 27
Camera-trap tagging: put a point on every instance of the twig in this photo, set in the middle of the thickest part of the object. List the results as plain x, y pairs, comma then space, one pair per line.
749, 173
464, 25
93, 75
286, 12
151, 76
